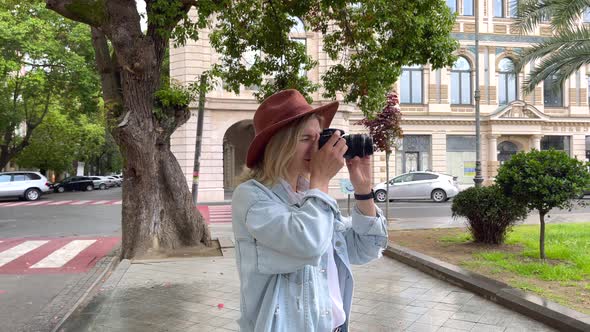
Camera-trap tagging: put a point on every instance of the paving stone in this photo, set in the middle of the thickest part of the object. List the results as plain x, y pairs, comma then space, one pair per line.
421, 327
183, 295
459, 324
487, 328
467, 316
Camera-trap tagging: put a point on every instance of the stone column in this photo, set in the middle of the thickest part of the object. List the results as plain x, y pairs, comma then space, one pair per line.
492, 157
536, 142
493, 147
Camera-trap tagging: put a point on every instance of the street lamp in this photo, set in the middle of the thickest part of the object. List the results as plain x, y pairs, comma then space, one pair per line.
478, 178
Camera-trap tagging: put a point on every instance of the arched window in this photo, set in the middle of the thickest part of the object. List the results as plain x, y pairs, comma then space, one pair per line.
506, 150
507, 85
454, 5
505, 8
297, 34
499, 8
552, 92
411, 85
468, 7
299, 27
461, 82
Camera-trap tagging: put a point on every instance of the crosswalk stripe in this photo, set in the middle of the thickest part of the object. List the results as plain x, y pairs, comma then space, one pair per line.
81, 202
17, 204
38, 203
98, 202
61, 256
19, 250
60, 202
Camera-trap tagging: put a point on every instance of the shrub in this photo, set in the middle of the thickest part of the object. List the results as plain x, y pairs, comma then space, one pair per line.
490, 214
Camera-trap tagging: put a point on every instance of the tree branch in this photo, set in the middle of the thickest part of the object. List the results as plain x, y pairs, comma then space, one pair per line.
91, 12
45, 110
109, 74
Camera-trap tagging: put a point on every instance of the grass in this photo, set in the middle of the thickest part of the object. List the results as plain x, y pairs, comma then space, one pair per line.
459, 238
567, 248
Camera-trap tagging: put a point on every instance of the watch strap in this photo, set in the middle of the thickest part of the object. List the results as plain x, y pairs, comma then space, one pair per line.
365, 197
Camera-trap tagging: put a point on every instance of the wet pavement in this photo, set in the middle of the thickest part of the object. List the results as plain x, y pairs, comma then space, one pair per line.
202, 294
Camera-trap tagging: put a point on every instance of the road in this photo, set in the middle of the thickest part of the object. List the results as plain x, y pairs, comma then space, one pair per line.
49, 248
50, 254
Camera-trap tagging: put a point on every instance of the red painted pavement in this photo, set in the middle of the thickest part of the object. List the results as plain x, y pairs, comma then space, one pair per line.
82, 262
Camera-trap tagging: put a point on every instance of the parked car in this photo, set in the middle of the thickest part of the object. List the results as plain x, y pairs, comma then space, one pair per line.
116, 179
419, 185
24, 185
100, 182
111, 181
74, 183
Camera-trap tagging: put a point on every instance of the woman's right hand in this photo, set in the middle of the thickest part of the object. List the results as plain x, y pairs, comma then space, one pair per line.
326, 162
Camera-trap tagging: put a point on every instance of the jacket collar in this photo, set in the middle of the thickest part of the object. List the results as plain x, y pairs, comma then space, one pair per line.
286, 193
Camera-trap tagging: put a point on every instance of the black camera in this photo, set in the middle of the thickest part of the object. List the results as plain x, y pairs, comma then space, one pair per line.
359, 145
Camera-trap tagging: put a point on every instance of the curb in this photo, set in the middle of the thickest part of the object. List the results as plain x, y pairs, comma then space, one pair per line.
111, 265
538, 308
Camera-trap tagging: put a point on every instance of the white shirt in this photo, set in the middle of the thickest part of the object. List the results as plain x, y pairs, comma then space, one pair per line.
338, 314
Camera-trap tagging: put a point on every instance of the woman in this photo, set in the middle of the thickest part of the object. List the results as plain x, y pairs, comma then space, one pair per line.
293, 246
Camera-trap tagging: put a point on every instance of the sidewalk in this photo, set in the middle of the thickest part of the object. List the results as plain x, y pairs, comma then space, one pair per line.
202, 294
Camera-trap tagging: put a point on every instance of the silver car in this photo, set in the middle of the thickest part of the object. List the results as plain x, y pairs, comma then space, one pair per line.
100, 182
419, 185
26, 185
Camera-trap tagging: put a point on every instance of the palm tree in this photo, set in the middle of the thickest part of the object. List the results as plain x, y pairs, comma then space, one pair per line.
562, 54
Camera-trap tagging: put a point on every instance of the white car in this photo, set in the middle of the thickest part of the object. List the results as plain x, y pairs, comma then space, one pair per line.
113, 181
419, 185
26, 185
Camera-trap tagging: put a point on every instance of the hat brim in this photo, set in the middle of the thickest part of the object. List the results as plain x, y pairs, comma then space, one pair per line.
256, 149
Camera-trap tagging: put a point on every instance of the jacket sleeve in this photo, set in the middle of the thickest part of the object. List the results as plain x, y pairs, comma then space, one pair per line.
367, 238
288, 238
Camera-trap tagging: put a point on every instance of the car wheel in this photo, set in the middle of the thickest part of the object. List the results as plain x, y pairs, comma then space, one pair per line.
439, 195
32, 194
102, 186
61, 189
89, 187
380, 195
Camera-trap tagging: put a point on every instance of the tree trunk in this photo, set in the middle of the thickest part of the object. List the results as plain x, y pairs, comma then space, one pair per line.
4, 159
542, 235
157, 210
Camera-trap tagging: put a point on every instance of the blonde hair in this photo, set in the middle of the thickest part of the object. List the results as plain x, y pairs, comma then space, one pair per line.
278, 154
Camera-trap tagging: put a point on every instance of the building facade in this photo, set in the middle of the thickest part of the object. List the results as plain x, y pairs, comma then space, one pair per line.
437, 105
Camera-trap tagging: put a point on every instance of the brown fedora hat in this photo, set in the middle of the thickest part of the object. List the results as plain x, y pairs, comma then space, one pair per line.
276, 112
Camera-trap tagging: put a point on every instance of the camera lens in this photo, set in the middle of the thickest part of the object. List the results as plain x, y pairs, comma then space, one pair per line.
360, 145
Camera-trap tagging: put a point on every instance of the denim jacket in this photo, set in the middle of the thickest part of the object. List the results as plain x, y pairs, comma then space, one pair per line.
281, 254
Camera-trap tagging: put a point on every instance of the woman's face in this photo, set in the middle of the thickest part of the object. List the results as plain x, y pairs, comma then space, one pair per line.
300, 164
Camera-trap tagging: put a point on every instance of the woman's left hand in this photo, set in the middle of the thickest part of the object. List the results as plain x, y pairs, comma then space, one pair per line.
359, 170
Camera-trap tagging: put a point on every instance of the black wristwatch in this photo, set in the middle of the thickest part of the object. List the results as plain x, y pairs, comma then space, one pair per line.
365, 197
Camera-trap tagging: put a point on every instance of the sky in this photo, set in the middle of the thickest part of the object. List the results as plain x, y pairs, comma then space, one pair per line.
141, 9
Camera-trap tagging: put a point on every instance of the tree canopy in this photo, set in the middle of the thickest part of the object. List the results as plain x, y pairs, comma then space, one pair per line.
46, 63
543, 180
367, 42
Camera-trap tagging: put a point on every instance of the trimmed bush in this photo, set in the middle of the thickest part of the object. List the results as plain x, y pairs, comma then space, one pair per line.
490, 213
